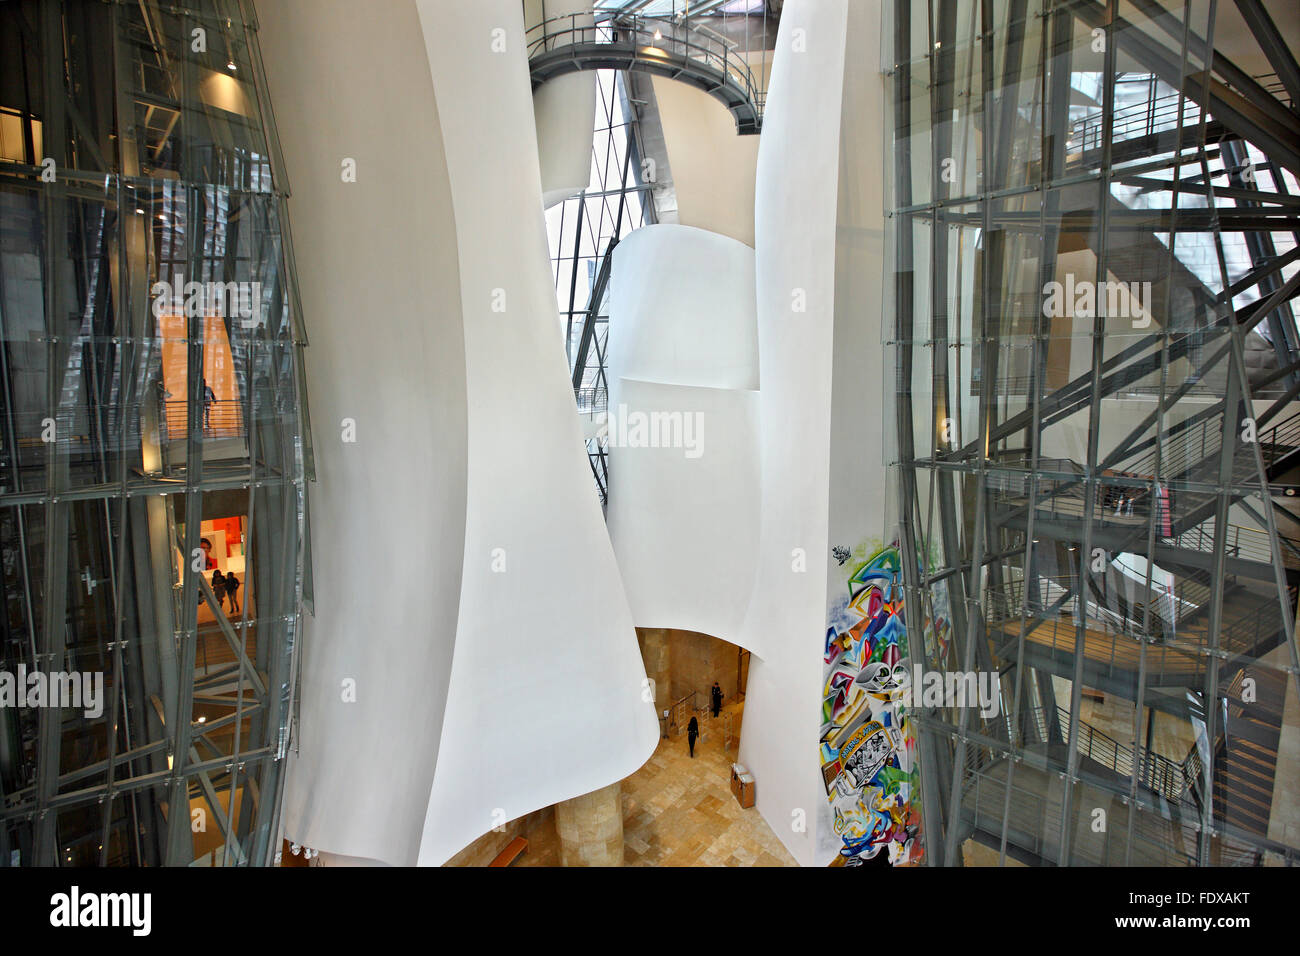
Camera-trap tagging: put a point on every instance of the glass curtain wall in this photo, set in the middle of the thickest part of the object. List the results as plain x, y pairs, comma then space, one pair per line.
1094, 270
583, 231
153, 438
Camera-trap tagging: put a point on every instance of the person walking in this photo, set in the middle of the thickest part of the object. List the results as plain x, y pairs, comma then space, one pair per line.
219, 587
209, 399
232, 591
692, 731
717, 698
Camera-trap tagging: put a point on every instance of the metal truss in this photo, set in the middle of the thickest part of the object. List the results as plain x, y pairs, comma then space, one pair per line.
1093, 490
110, 459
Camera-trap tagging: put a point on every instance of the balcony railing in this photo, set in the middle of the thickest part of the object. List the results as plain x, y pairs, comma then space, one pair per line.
219, 419
650, 40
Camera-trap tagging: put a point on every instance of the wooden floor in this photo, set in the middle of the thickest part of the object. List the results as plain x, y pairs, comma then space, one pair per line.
1115, 650
1176, 659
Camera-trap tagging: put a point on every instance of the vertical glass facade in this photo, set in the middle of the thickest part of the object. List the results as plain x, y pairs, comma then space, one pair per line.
153, 432
583, 231
1094, 267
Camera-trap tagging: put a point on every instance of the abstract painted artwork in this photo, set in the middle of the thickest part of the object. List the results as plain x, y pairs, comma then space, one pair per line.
867, 748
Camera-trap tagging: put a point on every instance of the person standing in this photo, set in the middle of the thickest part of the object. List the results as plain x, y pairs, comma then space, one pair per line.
232, 590
692, 731
717, 698
219, 587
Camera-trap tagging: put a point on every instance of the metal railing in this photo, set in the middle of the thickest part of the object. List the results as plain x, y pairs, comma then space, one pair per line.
1164, 619
681, 711
1197, 441
1155, 772
1146, 118
591, 400
648, 39
223, 418
1005, 604
1244, 633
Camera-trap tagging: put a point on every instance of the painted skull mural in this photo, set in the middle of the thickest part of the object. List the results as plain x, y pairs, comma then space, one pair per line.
867, 750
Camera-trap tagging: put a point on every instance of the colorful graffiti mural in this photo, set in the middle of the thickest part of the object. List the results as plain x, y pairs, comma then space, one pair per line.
867, 748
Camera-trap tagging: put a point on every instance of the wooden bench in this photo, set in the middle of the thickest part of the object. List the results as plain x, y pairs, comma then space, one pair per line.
507, 856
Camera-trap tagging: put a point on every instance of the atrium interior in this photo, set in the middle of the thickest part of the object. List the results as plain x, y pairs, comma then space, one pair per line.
808, 433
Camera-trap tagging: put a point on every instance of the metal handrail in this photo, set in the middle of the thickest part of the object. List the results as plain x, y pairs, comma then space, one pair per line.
220, 419
1154, 771
1145, 118
1201, 441
639, 34
591, 399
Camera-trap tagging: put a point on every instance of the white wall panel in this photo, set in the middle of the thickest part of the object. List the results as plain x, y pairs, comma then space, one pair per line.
712, 166
380, 292
794, 222
685, 529
861, 496
565, 107
685, 304
545, 697
683, 342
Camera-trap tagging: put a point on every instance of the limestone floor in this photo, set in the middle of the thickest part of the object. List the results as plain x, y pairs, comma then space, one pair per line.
680, 812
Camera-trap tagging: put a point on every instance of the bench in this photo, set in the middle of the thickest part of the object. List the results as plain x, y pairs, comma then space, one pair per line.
507, 856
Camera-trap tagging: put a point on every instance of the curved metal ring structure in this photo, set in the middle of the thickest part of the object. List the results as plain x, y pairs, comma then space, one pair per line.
567, 44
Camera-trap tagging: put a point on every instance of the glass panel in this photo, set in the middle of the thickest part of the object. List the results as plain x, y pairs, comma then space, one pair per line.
1097, 431
152, 440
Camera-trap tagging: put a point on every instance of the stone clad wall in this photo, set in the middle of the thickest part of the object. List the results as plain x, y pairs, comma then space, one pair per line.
591, 828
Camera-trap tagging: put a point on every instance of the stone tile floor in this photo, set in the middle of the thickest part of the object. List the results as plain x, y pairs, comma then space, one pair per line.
679, 811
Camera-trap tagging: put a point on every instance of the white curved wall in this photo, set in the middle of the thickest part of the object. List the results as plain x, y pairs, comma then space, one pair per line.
564, 109
380, 292
684, 520
545, 701
684, 298
468, 451
712, 166
795, 238
862, 403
